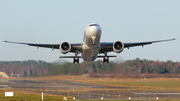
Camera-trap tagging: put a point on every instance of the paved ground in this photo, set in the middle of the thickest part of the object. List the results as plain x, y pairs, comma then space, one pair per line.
85, 90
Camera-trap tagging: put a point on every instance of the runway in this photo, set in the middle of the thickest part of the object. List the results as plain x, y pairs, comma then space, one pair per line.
82, 90
158, 93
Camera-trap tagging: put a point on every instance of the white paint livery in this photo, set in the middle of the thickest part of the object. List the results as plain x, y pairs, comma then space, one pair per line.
91, 42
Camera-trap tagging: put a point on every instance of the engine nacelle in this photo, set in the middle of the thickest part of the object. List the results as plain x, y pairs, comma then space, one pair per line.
65, 47
118, 46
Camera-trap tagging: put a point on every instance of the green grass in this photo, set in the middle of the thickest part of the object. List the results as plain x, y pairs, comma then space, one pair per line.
129, 100
149, 84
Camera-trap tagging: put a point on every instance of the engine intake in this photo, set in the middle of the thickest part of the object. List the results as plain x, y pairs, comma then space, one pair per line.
118, 46
65, 47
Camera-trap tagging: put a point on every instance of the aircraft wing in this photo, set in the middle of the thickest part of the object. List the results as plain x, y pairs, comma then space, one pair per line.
108, 46
74, 46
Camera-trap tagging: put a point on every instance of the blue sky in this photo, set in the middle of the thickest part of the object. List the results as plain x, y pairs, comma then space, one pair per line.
56, 21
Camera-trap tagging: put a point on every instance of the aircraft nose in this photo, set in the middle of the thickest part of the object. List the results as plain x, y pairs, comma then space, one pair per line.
94, 30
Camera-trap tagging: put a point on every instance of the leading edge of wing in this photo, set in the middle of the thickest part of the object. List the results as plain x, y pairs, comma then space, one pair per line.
54, 46
126, 45
131, 44
29, 43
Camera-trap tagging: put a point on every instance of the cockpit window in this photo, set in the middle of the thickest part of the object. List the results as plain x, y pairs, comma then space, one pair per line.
93, 25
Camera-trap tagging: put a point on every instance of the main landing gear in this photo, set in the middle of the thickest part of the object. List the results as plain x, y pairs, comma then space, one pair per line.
76, 58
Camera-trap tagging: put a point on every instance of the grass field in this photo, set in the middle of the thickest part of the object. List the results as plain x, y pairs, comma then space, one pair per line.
29, 96
142, 83
148, 83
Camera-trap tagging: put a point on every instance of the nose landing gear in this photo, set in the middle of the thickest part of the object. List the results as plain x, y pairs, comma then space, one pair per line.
76, 60
106, 60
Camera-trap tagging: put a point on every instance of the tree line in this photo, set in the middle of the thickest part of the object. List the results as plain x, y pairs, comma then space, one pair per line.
136, 66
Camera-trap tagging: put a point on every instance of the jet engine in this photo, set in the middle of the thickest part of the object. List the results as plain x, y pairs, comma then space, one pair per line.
118, 46
65, 47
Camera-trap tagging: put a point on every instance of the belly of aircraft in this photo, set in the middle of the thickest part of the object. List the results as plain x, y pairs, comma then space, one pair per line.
89, 54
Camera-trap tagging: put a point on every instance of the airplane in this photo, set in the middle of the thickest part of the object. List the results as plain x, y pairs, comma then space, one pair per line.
91, 45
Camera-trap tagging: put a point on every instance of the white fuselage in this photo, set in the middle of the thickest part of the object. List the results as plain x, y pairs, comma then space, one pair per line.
91, 42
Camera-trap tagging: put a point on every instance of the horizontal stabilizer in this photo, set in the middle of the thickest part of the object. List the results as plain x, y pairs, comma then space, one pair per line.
81, 56
106, 56
70, 57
